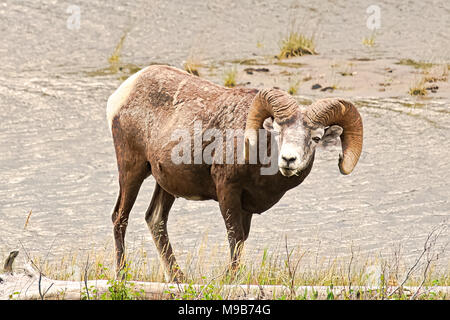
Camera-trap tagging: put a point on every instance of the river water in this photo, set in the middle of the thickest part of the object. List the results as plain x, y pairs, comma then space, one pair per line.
57, 157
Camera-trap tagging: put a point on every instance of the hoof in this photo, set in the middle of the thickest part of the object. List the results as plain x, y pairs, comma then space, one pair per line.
176, 277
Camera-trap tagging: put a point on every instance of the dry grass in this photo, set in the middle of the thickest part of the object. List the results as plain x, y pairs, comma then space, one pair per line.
291, 267
192, 65
293, 87
229, 78
436, 74
415, 64
369, 41
348, 70
114, 59
281, 266
418, 88
115, 65
296, 44
191, 68
431, 73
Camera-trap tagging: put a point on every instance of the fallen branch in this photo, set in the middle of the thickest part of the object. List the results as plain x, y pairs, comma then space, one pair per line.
33, 285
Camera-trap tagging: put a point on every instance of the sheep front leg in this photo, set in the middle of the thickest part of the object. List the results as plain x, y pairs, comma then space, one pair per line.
237, 222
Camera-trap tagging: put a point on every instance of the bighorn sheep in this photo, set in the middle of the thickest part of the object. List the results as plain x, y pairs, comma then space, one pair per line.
149, 106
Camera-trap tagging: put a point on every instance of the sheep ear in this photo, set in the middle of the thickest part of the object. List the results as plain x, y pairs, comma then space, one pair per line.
331, 136
268, 124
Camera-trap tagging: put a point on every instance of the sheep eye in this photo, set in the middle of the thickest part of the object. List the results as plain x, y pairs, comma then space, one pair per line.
316, 139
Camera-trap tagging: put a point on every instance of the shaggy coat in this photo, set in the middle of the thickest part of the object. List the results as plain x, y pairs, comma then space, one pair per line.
143, 114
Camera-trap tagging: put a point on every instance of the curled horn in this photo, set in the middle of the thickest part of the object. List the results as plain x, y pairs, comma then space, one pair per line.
267, 103
342, 113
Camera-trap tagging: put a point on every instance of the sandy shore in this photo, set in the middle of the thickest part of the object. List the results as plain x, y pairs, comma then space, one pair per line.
317, 76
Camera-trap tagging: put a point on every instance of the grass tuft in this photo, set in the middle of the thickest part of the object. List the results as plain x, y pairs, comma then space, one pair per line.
369, 41
435, 74
415, 64
230, 78
115, 65
192, 66
293, 87
296, 44
418, 89
114, 59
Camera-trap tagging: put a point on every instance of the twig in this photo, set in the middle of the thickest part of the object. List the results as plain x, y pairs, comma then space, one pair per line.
210, 281
38, 269
28, 219
39, 287
28, 256
261, 294
86, 268
430, 259
294, 271
349, 270
426, 248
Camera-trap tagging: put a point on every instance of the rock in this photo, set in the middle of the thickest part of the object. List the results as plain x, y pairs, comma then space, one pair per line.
251, 70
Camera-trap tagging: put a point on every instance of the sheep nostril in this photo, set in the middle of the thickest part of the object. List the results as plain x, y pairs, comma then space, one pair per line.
289, 159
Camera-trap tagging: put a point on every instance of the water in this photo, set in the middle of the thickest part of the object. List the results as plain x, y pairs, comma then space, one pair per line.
57, 157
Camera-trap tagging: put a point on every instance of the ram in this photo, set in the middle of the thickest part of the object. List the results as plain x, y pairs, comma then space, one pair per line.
145, 111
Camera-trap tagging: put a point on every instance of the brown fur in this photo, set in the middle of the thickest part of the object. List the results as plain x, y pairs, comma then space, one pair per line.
162, 100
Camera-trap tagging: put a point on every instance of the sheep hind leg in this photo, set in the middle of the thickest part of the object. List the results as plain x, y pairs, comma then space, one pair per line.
130, 183
156, 217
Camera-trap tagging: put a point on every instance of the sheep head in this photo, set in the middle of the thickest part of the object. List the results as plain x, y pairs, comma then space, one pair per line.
301, 128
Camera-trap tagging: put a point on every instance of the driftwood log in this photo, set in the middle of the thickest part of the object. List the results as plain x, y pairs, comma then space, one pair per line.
30, 284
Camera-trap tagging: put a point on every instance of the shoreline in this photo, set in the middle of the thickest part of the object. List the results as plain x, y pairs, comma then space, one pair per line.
317, 76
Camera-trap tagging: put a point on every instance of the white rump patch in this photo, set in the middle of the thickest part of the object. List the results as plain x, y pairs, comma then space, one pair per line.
116, 100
